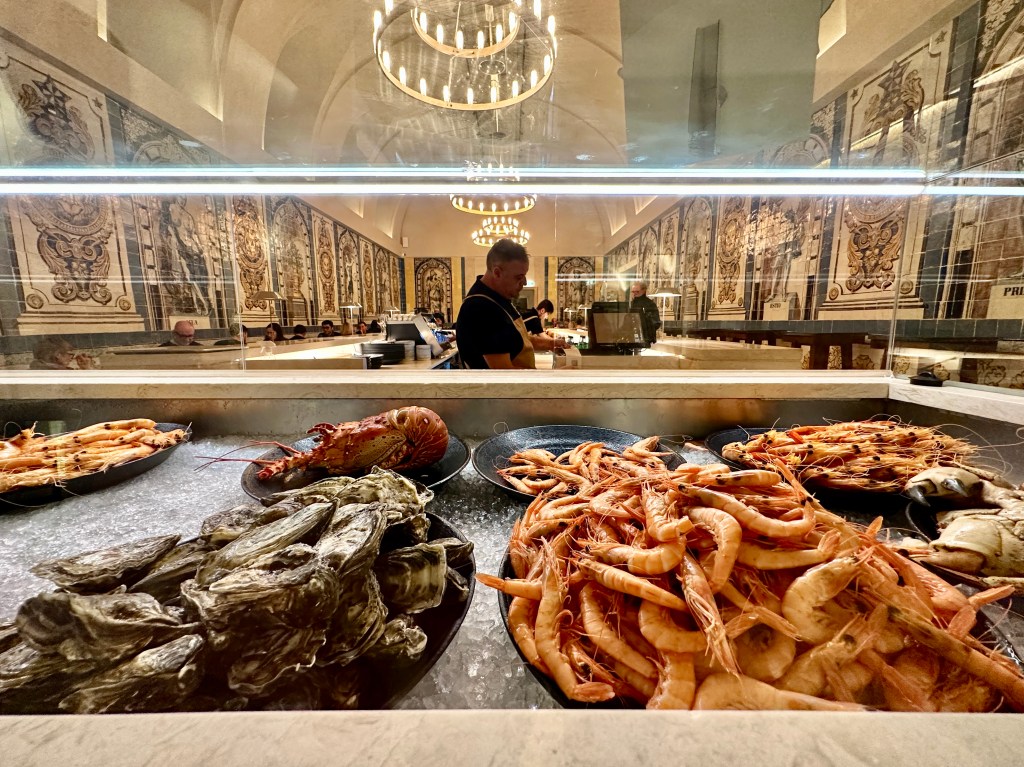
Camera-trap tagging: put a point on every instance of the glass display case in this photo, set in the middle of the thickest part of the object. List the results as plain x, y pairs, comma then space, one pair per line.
210, 210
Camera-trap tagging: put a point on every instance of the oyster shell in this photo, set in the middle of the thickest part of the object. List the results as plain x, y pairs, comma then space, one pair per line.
402, 641
412, 579
154, 680
358, 621
258, 599
164, 578
262, 540
102, 627
8, 636
457, 585
457, 552
352, 540
224, 526
265, 665
104, 569
32, 682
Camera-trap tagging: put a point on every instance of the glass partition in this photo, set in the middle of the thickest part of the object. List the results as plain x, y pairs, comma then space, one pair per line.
226, 190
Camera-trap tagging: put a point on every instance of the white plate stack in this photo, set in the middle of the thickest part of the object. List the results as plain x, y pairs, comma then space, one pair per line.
423, 352
410, 349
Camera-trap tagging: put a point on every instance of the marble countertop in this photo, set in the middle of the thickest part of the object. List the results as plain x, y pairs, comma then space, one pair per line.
505, 738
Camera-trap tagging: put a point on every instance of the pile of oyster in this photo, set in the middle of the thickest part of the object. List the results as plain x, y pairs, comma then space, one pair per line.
308, 601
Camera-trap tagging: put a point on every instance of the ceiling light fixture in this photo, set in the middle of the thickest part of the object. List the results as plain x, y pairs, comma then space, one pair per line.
465, 54
485, 203
499, 228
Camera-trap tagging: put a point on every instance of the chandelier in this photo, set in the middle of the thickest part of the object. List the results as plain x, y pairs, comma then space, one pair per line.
499, 228
465, 54
488, 204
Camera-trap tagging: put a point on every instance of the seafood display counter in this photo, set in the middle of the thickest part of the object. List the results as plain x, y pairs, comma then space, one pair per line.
478, 704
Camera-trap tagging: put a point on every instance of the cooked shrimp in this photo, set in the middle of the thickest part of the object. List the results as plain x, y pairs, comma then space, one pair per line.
702, 606
728, 691
677, 682
804, 599
659, 628
764, 653
662, 519
746, 478
606, 638
774, 558
587, 666
516, 587
727, 534
654, 561
522, 614
547, 635
623, 582
750, 518
808, 672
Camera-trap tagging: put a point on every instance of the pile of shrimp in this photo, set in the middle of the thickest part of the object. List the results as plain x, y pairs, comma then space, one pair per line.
540, 471
705, 588
878, 456
31, 460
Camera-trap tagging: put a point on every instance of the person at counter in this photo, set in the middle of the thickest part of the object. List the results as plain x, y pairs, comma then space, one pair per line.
273, 332
490, 331
240, 333
184, 334
534, 318
361, 329
54, 353
300, 333
326, 330
650, 319
375, 327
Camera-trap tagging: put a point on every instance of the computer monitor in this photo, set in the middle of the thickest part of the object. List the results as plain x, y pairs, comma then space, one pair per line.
612, 326
416, 330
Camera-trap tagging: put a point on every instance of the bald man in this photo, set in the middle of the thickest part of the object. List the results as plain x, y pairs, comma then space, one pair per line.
184, 334
650, 320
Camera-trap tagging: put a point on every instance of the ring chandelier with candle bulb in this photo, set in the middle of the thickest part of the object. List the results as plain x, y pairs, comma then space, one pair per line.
486, 203
499, 228
465, 54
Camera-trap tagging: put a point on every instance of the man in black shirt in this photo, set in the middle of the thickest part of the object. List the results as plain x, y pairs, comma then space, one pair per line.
534, 318
184, 334
489, 330
650, 319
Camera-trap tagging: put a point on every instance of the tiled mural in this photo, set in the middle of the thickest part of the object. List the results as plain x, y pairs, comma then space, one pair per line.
433, 279
143, 262
951, 100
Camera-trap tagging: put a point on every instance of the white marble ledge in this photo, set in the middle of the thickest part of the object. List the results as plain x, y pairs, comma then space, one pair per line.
514, 738
447, 384
995, 405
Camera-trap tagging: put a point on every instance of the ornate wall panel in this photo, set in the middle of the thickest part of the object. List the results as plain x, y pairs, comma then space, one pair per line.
325, 263
252, 265
72, 263
575, 283
369, 301
694, 256
648, 258
733, 244
668, 252
291, 245
787, 246
396, 281
350, 276
990, 232
382, 280
434, 284
892, 124
182, 240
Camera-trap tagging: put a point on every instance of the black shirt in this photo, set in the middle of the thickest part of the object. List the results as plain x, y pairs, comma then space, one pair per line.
171, 343
486, 328
650, 319
533, 323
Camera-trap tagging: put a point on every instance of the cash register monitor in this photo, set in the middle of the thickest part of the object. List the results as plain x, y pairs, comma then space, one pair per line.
416, 330
613, 328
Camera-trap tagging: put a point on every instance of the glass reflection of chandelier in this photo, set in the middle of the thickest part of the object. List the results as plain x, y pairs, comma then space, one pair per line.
488, 204
465, 54
499, 228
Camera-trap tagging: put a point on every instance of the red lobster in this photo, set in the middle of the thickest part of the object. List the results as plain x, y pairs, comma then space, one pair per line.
404, 438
